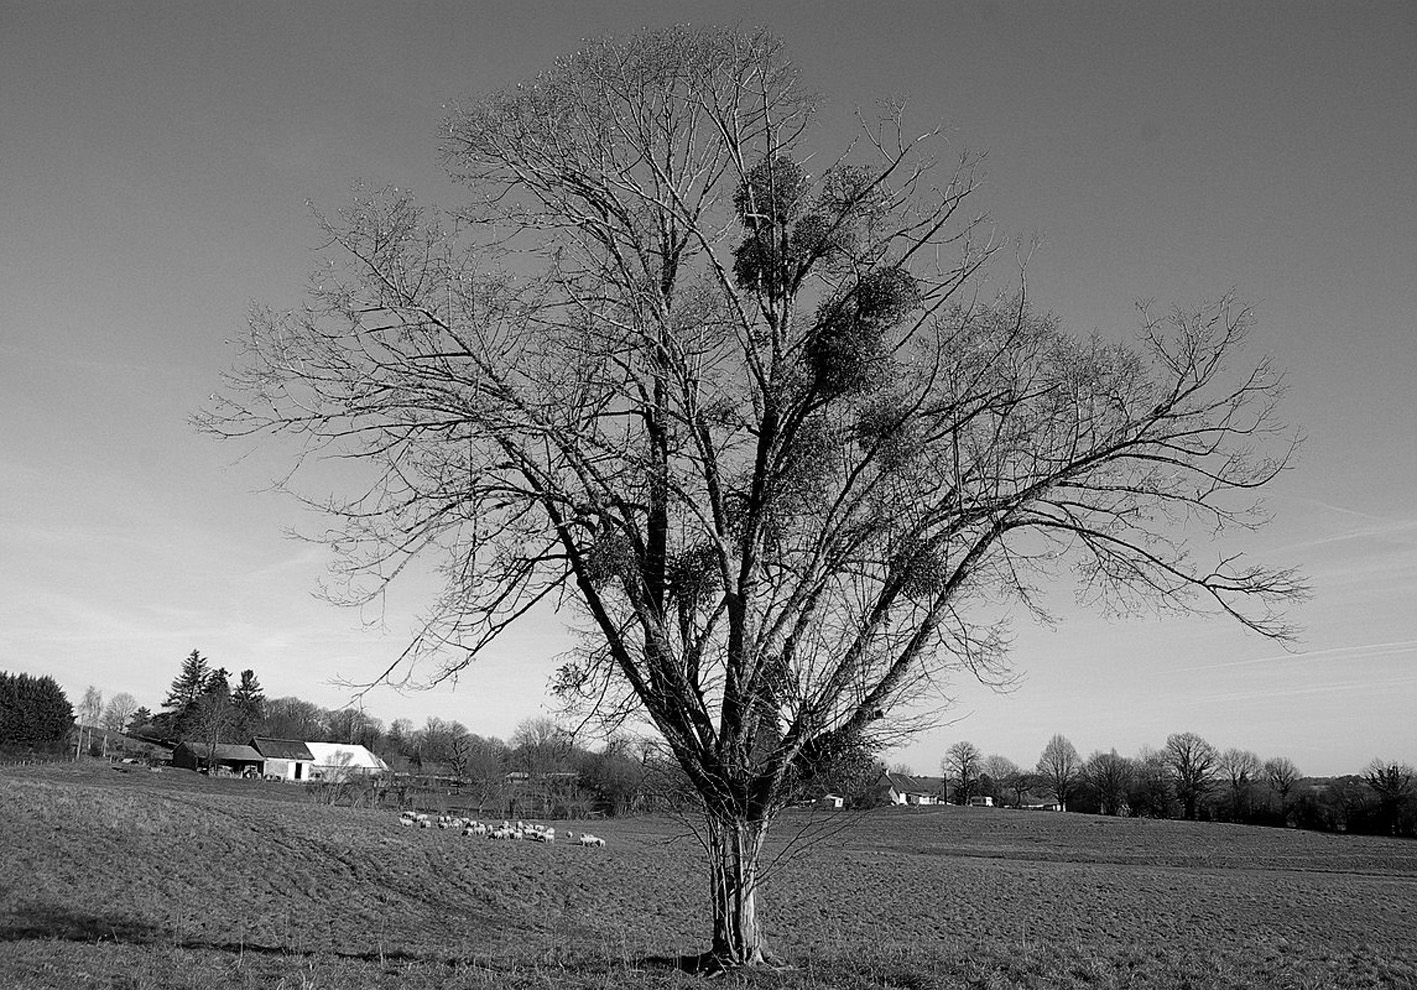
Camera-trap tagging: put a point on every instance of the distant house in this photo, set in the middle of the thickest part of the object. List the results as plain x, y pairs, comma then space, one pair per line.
835, 802
906, 789
343, 761
285, 759
981, 801
1035, 804
194, 755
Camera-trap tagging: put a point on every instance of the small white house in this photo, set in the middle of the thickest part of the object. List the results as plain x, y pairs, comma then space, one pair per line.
905, 789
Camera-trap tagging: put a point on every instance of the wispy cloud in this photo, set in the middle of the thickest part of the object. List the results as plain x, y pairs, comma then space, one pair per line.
1326, 689
1356, 526
1366, 651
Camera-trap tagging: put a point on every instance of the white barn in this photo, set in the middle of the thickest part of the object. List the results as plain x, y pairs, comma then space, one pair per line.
341, 761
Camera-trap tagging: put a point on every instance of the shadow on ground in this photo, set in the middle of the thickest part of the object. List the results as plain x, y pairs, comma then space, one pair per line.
59, 921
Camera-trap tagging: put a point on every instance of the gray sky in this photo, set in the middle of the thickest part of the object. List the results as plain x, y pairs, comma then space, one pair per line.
156, 159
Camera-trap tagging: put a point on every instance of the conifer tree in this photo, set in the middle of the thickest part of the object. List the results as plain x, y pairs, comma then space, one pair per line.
34, 711
249, 705
183, 696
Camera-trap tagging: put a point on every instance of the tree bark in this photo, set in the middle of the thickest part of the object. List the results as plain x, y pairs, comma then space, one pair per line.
738, 934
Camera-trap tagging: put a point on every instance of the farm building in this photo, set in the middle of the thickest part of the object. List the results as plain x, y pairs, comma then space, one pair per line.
1034, 804
283, 759
286, 759
340, 761
195, 755
905, 789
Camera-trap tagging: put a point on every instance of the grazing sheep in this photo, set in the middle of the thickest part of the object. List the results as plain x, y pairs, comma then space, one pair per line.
587, 839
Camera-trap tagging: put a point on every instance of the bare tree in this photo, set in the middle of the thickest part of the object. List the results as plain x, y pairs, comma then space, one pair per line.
1002, 771
1240, 767
116, 713
1060, 768
486, 768
1151, 794
212, 717
1282, 775
961, 765
90, 712
294, 718
1395, 785
119, 709
1110, 777
1193, 763
745, 419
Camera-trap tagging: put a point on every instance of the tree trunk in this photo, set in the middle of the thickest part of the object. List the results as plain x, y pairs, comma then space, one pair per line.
738, 935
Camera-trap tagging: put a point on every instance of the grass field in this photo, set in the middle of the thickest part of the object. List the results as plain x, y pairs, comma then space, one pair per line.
170, 880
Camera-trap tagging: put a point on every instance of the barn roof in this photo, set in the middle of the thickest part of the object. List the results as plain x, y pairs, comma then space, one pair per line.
907, 784
345, 755
223, 751
283, 749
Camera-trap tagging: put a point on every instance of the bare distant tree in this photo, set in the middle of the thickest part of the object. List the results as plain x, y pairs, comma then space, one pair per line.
1395, 786
1059, 768
294, 718
116, 713
1002, 771
1282, 775
441, 747
486, 765
539, 746
733, 402
998, 766
90, 711
1240, 768
119, 709
1193, 763
961, 765
1110, 777
213, 718
1151, 794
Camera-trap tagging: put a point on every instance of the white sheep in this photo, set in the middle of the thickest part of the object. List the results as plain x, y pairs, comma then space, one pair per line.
587, 839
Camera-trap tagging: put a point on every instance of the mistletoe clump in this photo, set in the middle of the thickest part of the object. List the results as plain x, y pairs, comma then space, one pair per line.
848, 351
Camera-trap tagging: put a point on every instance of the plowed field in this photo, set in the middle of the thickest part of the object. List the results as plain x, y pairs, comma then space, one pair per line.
170, 880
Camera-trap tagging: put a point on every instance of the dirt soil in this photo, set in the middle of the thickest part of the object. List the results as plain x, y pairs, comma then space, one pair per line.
155, 880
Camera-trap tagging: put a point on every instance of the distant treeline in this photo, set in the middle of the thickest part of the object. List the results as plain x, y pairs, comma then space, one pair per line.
1190, 778
542, 770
